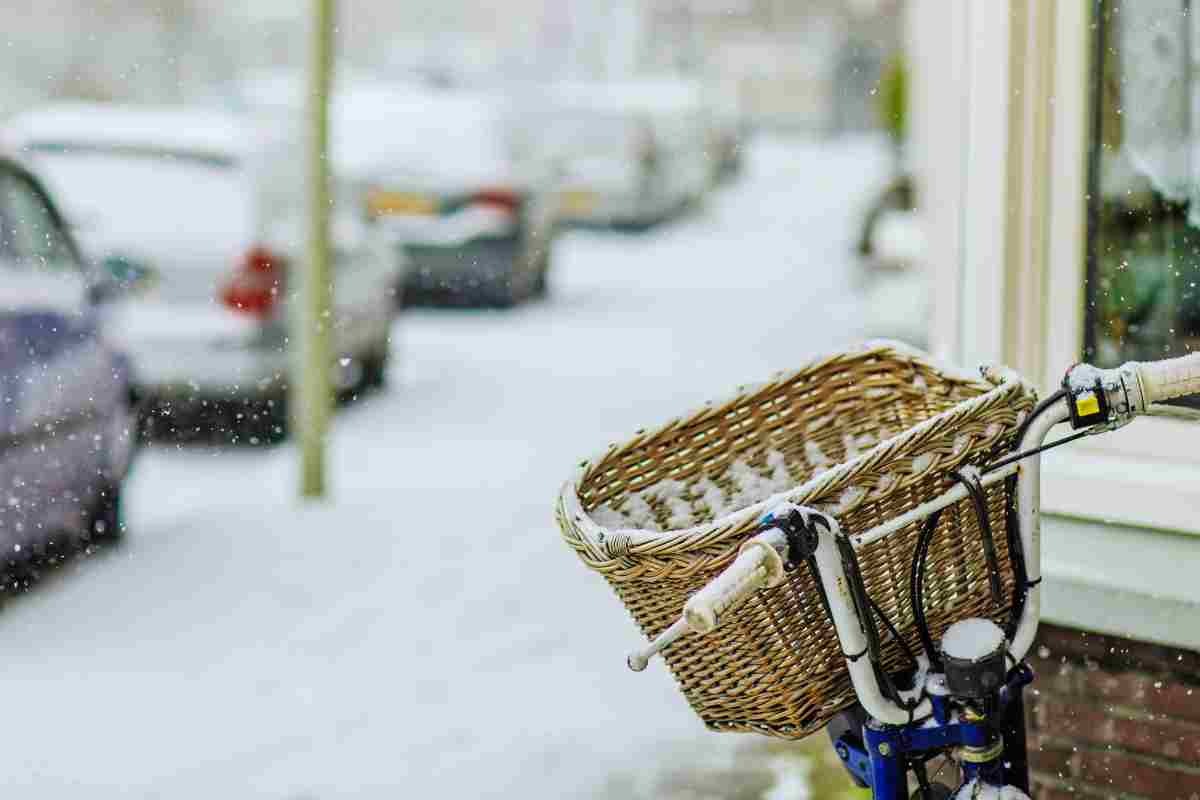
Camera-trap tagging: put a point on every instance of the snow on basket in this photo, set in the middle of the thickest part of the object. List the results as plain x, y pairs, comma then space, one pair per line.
863, 435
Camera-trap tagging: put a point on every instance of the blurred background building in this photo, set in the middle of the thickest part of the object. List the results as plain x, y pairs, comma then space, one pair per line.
806, 66
799, 65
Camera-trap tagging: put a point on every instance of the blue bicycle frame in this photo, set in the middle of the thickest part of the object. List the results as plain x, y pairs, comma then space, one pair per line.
989, 745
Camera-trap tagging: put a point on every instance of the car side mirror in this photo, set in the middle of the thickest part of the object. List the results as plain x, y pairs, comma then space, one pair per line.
116, 275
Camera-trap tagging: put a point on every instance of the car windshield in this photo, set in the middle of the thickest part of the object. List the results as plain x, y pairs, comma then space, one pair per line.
177, 208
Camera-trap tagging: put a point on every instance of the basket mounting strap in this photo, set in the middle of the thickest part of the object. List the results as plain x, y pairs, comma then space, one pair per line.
800, 526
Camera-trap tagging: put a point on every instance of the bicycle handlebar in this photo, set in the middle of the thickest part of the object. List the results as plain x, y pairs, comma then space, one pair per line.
759, 565
745, 576
1129, 390
1168, 379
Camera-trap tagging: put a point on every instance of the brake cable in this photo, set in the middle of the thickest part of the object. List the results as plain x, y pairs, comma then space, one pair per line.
974, 486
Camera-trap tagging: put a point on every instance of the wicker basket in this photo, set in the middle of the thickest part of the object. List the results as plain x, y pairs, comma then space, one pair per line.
864, 436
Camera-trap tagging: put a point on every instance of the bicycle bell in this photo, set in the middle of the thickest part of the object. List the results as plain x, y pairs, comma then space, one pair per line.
973, 655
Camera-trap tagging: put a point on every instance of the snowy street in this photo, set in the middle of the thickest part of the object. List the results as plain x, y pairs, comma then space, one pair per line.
426, 633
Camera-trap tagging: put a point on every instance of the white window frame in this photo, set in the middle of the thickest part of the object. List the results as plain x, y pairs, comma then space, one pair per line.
1000, 104
1156, 462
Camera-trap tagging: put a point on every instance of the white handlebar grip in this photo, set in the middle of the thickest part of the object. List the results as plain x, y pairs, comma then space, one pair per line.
745, 576
638, 660
1170, 378
760, 564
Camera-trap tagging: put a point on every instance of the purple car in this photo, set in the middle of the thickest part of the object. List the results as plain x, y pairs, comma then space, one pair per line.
67, 414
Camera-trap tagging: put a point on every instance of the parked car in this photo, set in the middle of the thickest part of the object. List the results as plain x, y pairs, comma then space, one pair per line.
474, 205
205, 211
471, 204
634, 153
68, 422
726, 131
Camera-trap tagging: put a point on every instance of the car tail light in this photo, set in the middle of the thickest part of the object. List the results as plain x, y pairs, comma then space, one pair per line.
502, 199
256, 284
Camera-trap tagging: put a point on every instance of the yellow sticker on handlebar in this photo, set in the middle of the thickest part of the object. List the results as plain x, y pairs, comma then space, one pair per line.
1087, 404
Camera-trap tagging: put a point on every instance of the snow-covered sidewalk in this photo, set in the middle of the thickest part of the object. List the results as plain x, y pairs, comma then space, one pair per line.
426, 634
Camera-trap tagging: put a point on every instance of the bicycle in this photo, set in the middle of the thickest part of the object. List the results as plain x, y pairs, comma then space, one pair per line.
963, 698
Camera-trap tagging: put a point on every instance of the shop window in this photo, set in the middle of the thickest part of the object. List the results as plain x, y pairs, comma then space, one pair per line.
1143, 223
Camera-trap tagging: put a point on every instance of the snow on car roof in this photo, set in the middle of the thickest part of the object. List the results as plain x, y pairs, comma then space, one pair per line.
384, 124
285, 88
201, 132
451, 136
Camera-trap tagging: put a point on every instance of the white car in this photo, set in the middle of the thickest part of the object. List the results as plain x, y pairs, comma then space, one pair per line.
726, 130
469, 198
634, 152
204, 211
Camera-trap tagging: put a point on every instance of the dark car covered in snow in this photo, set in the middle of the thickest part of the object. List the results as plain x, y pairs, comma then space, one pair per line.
67, 416
470, 199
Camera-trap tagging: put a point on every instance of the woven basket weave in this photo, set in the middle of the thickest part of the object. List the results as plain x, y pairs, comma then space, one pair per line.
864, 436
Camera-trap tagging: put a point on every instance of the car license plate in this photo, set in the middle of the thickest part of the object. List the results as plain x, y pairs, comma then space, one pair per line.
383, 203
578, 202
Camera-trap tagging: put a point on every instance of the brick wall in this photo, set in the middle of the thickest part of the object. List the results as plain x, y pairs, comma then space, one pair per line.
1112, 717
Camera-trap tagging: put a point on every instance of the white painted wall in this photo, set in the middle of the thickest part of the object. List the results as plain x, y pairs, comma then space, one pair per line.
959, 58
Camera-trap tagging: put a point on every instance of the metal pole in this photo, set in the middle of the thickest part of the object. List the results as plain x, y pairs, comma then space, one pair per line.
313, 389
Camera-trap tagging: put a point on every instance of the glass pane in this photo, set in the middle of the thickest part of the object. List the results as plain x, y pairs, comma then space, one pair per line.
36, 235
1143, 299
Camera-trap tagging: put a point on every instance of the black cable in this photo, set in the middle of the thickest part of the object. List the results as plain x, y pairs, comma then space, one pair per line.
1016, 550
1037, 411
815, 572
894, 632
974, 488
866, 607
917, 591
1016, 557
862, 606
858, 596
1040, 448
1023, 428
